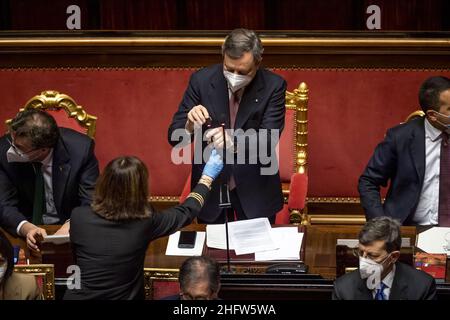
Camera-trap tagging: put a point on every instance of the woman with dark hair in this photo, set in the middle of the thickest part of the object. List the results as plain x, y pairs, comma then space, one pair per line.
110, 237
14, 286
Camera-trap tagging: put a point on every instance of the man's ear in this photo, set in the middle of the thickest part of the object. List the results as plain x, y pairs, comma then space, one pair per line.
395, 255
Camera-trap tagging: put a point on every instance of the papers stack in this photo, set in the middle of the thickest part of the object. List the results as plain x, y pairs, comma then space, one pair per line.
435, 240
257, 236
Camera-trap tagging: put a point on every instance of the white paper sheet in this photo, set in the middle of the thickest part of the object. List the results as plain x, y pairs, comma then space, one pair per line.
246, 236
57, 239
173, 250
435, 240
216, 236
289, 241
253, 235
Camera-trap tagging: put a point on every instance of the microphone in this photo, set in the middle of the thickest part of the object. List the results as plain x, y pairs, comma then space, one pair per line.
225, 202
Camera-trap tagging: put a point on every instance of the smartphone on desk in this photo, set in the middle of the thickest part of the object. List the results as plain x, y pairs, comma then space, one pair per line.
187, 239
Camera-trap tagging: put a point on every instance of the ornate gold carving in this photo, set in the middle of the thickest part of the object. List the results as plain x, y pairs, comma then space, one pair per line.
151, 274
53, 100
298, 101
415, 114
337, 219
215, 42
175, 199
48, 274
333, 200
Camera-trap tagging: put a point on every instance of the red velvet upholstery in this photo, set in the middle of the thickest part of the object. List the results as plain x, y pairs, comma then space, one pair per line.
63, 120
186, 189
165, 288
349, 112
297, 197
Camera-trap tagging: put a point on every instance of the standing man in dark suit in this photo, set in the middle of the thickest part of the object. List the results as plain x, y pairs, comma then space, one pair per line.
380, 276
241, 95
415, 157
45, 172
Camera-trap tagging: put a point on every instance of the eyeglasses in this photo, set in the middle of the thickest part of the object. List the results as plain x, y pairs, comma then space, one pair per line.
20, 152
360, 253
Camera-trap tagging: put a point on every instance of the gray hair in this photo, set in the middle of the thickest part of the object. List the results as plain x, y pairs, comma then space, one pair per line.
386, 229
240, 41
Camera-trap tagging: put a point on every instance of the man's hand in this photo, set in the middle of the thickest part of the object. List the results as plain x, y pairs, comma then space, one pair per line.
33, 234
216, 136
196, 118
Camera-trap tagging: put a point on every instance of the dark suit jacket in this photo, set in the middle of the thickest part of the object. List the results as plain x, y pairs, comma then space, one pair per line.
400, 158
75, 170
262, 107
408, 284
111, 254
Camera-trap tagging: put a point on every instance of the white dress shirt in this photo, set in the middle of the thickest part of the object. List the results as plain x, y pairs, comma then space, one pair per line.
388, 280
51, 217
427, 208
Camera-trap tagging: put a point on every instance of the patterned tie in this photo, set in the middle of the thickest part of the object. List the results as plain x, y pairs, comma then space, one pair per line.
379, 295
234, 106
39, 195
444, 183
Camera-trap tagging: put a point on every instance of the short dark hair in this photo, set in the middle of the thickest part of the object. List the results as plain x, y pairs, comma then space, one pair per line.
430, 92
240, 41
386, 229
7, 252
37, 125
200, 268
121, 192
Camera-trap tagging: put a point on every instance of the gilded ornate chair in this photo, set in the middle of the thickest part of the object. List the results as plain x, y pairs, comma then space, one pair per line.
414, 115
160, 283
65, 111
45, 277
292, 155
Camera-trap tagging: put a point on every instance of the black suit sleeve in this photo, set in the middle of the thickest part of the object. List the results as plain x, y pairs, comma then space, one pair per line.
191, 98
10, 217
379, 170
88, 176
272, 120
336, 295
430, 293
168, 221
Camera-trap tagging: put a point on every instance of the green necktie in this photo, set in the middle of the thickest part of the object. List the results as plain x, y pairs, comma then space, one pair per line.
39, 195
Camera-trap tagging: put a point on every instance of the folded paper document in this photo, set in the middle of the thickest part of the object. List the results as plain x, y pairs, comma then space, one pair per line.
57, 239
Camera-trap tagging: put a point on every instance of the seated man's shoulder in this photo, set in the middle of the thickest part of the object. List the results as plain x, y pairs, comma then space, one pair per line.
349, 278
406, 128
73, 136
414, 274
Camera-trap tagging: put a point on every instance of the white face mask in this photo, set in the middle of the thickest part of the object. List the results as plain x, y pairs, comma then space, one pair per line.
371, 271
3, 271
12, 155
236, 81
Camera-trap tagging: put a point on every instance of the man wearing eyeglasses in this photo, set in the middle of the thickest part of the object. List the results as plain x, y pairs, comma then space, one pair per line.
45, 172
380, 276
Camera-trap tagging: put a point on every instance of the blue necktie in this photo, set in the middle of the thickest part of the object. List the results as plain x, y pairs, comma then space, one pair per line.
379, 294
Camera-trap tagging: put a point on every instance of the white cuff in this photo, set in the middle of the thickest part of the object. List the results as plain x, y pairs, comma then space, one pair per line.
20, 226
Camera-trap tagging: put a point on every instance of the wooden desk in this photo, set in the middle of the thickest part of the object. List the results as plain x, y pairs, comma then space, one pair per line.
319, 253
